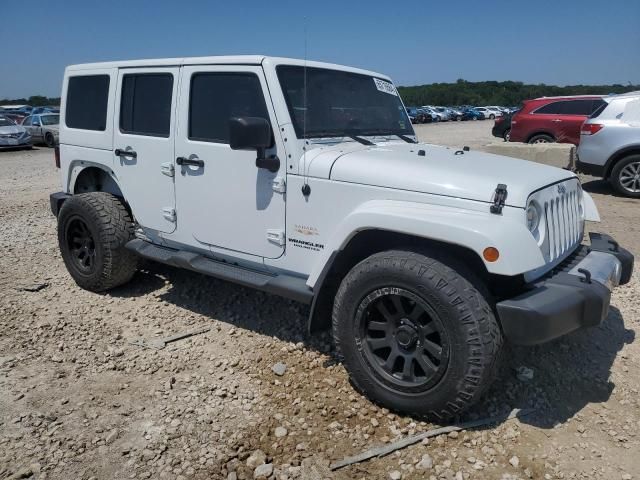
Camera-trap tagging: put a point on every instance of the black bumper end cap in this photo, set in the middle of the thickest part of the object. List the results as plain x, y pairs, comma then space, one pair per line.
56, 200
601, 242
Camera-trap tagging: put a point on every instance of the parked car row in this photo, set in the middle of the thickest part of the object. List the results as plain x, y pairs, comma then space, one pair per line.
430, 113
23, 133
606, 130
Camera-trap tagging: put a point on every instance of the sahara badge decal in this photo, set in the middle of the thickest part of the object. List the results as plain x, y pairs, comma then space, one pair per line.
307, 231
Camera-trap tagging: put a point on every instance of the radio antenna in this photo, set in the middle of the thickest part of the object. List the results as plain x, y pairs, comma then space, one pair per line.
306, 189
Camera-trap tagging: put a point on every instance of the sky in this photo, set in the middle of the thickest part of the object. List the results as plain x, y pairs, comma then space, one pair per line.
560, 42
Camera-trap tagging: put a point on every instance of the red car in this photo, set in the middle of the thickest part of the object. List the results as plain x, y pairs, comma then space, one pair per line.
553, 119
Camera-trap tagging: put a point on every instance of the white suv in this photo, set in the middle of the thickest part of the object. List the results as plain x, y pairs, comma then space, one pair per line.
305, 179
610, 143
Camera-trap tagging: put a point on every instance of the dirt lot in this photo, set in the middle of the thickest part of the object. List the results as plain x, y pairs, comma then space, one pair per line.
77, 401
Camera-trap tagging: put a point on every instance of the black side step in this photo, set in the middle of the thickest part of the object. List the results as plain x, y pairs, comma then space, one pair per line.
287, 286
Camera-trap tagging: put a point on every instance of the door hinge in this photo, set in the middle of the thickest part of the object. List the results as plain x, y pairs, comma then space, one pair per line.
169, 213
276, 236
168, 169
279, 185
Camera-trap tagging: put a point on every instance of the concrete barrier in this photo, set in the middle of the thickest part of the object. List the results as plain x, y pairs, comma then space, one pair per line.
554, 154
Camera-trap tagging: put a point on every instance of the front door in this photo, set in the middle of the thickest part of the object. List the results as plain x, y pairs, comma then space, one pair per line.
143, 142
223, 200
33, 126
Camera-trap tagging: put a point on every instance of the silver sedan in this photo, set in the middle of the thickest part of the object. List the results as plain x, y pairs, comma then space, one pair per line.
13, 135
43, 128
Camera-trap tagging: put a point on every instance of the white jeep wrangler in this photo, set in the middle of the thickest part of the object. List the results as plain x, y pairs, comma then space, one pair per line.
305, 179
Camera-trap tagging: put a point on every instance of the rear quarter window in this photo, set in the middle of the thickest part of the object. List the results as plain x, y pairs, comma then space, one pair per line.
87, 99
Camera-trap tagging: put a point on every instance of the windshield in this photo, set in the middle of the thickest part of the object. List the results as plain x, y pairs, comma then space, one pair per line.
50, 119
341, 103
5, 122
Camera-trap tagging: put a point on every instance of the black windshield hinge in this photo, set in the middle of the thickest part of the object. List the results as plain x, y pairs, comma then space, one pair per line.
498, 199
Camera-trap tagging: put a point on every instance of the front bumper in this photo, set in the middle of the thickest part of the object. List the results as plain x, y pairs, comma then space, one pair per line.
6, 142
574, 295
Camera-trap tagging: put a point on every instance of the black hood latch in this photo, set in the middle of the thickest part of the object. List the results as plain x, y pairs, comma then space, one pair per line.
499, 199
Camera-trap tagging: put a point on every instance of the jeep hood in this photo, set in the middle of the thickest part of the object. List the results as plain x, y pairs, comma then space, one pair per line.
472, 175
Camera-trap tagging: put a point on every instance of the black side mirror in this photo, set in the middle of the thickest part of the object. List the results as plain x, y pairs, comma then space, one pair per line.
248, 133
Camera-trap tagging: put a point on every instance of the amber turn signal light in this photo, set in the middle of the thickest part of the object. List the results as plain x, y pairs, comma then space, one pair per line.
491, 254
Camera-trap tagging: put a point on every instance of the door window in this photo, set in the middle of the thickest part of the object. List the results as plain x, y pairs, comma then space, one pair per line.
217, 97
578, 107
553, 108
27, 122
145, 104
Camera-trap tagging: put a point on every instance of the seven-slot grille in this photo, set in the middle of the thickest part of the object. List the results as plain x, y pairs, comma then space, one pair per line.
563, 216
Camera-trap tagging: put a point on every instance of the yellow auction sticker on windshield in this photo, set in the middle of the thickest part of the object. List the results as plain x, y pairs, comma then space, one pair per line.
385, 87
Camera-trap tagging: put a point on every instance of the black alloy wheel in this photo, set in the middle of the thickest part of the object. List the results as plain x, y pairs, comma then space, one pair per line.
81, 245
403, 338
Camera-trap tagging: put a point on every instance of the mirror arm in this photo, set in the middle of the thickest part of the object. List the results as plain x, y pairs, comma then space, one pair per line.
271, 163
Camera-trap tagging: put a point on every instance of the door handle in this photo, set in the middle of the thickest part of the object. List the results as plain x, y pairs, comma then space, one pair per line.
195, 162
556, 120
125, 153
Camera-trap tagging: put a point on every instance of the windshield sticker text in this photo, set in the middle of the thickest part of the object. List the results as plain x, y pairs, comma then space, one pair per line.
385, 87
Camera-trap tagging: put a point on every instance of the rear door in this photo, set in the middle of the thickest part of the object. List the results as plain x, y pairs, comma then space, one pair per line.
573, 115
143, 140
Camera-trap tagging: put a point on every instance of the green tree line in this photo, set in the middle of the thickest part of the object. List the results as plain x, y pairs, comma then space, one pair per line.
34, 101
507, 93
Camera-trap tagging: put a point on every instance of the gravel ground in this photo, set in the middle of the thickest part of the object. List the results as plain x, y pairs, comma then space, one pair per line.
77, 401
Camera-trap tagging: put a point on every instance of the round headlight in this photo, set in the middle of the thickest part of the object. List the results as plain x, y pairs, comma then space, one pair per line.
533, 217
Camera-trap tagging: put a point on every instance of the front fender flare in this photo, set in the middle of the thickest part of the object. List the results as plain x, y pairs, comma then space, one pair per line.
472, 229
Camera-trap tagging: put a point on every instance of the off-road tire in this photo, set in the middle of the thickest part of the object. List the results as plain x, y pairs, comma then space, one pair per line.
615, 178
474, 336
541, 138
110, 226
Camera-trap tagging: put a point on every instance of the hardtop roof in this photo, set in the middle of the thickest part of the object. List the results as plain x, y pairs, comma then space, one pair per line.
217, 60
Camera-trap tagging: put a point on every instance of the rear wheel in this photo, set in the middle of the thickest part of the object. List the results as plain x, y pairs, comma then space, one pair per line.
541, 138
49, 140
416, 335
506, 135
93, 229
625, 176
492, 116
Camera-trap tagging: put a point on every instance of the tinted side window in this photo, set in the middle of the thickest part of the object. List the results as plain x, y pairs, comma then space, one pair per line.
598, 107
578, 107
27, 121
551, 108
145, 104
87, 99
217, 97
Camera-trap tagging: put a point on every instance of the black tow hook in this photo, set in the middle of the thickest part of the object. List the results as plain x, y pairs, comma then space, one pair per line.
587, 275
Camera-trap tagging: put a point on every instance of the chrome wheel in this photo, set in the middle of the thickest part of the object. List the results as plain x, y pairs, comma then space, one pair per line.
629, 177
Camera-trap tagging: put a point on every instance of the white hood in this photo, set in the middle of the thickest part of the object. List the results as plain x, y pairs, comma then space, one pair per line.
11, 129
472, 175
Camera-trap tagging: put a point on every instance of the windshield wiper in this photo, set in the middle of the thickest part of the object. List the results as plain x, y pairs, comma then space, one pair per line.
334, 134
361, 140
383, 133
406, 139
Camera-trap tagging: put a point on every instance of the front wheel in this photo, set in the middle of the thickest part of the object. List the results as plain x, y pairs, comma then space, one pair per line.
93, 229
625, 176
415, 334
